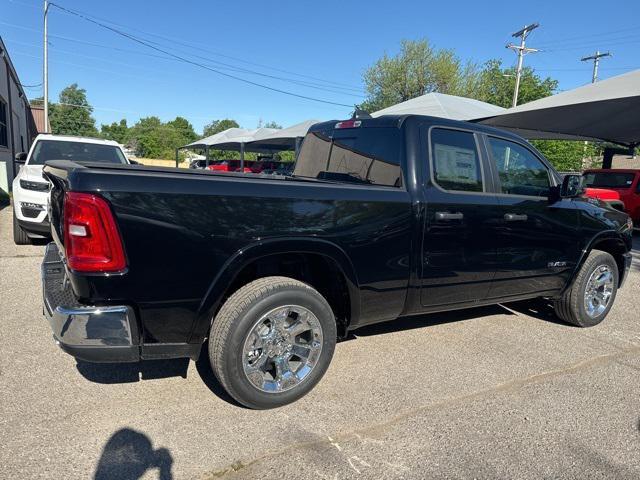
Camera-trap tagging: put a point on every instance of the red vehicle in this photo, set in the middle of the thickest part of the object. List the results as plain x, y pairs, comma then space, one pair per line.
616, 185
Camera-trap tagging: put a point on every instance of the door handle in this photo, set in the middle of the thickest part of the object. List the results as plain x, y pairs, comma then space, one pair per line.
449, 216
515, 217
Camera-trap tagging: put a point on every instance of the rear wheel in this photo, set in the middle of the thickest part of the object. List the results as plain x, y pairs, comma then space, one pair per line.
20, 237
593, 292
272, 342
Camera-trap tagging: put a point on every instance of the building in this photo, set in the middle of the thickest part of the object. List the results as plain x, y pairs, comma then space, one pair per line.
17, 126
38, 117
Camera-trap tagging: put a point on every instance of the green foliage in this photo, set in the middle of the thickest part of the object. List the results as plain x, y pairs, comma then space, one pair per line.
272, 124
117, 131
154, 139
496, 85
72, 114
217, 126
567, 156
416, 70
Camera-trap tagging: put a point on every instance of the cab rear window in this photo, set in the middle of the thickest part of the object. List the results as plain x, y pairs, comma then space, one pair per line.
608, 179
356, 155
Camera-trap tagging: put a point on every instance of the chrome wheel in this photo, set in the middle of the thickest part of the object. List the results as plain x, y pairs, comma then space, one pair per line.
599, 291
282, 348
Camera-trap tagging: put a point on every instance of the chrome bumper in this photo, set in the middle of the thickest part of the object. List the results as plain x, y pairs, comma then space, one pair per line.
90, 333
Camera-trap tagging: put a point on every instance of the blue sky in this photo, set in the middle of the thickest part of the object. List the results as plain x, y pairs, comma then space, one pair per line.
331, 41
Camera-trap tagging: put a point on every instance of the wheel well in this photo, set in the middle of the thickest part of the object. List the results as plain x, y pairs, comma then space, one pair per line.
616, 249
319, 271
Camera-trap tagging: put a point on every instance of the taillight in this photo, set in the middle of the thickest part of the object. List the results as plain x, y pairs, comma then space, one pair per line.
348, 124
91, 238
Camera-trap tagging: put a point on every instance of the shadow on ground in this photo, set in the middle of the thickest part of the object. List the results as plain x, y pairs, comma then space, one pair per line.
129, 454
109, 373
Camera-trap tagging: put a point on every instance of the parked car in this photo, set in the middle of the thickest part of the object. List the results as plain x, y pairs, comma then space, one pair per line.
382, 218
31, 190
199, 164
607, 184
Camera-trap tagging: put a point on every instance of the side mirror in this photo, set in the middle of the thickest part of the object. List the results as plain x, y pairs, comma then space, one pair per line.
133, 162
571, 186
21, 157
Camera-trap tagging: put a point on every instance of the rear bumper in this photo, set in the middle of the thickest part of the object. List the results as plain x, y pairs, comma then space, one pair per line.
42, 228
90, 333
628, 258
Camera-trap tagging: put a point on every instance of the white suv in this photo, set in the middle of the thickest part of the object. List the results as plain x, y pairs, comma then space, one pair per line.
31, 189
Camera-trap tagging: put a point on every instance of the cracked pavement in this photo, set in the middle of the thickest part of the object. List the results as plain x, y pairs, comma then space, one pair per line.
494, 392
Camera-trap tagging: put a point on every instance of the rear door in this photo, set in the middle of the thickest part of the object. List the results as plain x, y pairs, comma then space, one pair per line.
458, 248
537, 240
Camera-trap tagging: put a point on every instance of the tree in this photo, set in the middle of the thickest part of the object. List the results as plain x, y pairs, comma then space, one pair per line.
217, 126
416, 70
272, 124
117, 131
72, 114
496, 85
155, 139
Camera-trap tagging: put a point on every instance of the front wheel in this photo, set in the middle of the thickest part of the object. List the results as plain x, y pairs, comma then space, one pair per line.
20, 237
593, 292
272, 341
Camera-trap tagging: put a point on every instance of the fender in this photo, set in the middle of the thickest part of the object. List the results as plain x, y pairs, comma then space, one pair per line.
263, 248
599, 237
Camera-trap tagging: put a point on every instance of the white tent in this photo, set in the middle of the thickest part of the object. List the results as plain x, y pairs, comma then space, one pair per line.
231, 138
285, 138
444, 106
606, 110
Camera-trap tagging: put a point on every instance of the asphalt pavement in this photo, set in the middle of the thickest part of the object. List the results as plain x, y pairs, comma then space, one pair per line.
495, 392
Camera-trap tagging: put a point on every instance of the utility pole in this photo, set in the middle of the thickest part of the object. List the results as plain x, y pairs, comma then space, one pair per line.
45, 70
596, 61
521, 50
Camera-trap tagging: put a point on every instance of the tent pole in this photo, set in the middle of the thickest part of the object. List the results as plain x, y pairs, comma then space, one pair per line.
177, 157
297, 147
242, 157
207, 155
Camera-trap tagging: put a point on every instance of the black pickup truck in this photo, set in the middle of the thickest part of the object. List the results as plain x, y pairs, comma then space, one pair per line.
382, 218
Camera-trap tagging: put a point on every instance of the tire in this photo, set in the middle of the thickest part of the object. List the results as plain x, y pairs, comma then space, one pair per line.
572, 308
20, 237
256, 329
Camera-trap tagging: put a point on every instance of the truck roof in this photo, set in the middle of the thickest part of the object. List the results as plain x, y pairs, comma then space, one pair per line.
612, 170
397, 121
72, 138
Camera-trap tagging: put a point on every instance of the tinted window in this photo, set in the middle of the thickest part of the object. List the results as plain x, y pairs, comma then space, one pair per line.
3, 124
76, 151
608, 179
361, 155
520, 171
456, 164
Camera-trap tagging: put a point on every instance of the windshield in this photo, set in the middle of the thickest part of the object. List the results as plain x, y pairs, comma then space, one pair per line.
608, 179
76, 151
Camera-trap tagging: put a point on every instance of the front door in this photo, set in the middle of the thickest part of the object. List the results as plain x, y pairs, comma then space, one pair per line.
537, 241
458, 246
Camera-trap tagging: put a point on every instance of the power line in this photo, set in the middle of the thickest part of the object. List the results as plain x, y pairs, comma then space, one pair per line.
197, 46
191, 62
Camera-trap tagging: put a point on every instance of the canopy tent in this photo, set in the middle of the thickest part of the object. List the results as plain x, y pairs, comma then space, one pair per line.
232, 139
444, 106
285, 139
607, 110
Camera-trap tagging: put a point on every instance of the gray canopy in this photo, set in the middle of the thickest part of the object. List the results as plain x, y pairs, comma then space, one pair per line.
607, 110
443, 106
284, 139
234, 139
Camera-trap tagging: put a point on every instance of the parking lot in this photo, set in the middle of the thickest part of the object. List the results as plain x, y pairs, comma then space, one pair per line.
496, 392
